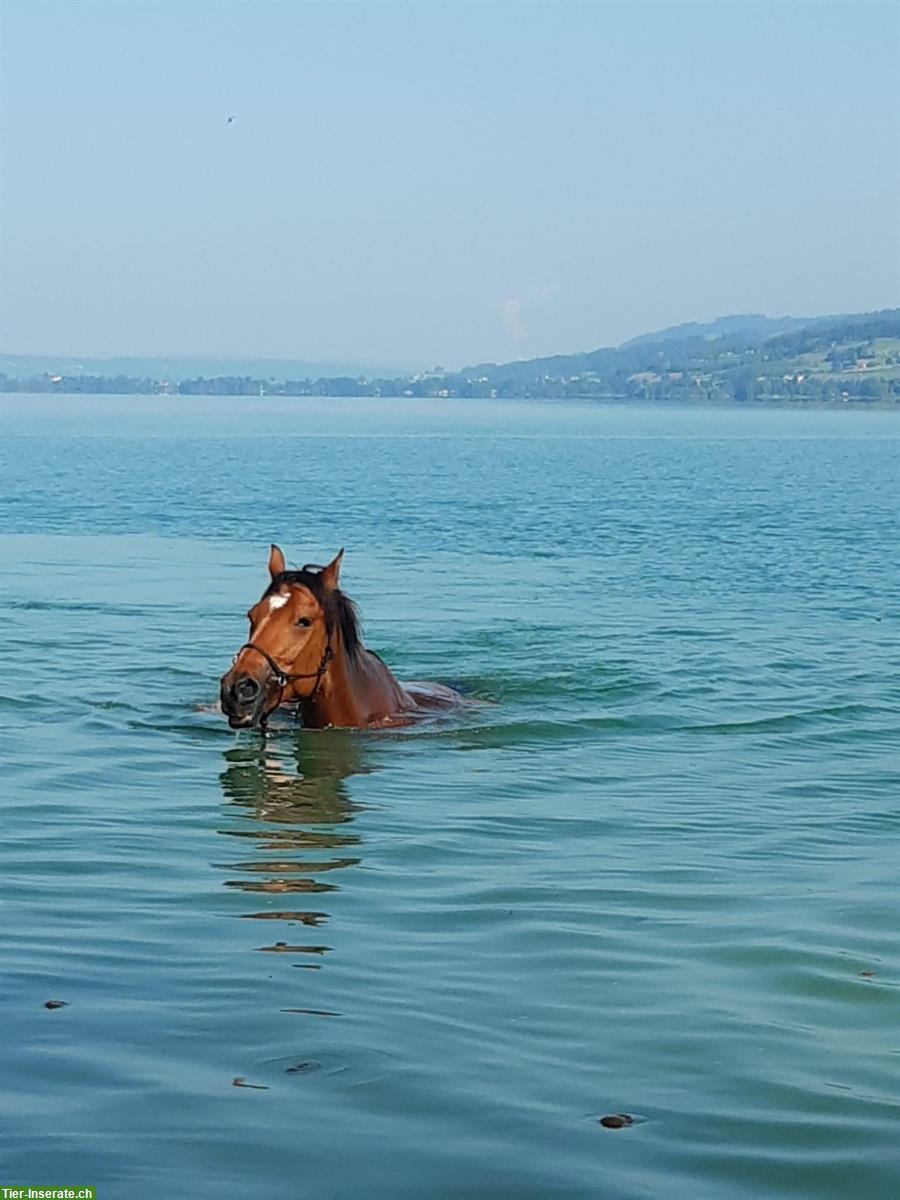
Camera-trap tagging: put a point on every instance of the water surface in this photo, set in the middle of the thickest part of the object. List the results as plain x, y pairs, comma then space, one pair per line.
655, 872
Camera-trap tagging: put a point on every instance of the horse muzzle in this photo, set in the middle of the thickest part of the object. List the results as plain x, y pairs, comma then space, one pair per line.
245, 700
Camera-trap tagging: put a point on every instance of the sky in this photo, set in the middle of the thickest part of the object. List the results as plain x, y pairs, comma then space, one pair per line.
431, 183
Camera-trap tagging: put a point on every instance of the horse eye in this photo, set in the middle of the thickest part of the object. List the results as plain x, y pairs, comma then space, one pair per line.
304, 622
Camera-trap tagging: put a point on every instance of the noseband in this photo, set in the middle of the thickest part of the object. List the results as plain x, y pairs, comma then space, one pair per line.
283, 678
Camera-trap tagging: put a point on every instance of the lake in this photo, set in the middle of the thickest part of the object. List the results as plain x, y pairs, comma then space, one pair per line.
653, 872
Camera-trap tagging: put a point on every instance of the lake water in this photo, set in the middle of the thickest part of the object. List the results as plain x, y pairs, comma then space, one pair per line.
655, 873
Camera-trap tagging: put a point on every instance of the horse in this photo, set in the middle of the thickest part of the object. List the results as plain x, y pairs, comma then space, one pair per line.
305, 646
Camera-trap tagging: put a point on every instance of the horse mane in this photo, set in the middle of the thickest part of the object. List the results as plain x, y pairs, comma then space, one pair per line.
340, 611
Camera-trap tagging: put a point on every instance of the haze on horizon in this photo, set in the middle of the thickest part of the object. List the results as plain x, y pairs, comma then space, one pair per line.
421, 183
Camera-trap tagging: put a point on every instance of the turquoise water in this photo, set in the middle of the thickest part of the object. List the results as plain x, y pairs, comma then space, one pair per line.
655, 872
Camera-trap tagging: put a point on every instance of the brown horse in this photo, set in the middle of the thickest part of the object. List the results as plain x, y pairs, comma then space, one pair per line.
305, 646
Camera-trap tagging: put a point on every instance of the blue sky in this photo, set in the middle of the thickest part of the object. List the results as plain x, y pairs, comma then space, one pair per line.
423, 183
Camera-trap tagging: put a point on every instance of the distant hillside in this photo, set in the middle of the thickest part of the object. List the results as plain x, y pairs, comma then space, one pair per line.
691, 348
838, 331
751, 327
851, 357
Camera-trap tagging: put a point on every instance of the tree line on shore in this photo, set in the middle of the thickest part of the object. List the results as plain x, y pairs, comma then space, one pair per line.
674, 387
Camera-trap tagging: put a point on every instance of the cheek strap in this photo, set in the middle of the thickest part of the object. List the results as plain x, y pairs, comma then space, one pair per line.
282, 678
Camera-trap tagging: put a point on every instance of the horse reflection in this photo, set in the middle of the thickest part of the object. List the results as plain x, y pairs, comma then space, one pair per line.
282, 792
310, 790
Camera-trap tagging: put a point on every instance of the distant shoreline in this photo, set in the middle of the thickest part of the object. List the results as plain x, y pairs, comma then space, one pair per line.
852, 359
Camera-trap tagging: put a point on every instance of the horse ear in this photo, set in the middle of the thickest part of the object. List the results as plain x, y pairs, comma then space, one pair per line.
276, 561
331, 573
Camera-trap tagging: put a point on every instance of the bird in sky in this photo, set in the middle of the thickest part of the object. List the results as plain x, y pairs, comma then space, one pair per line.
230, 121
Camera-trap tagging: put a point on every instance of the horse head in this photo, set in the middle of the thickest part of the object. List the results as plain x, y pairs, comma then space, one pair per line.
294, 628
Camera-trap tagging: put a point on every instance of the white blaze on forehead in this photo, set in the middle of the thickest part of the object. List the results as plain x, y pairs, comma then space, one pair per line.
278, 600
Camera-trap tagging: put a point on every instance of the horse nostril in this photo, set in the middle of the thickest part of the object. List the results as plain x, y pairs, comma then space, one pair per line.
246, 689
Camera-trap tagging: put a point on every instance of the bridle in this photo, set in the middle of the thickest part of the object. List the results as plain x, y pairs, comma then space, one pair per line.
283, 678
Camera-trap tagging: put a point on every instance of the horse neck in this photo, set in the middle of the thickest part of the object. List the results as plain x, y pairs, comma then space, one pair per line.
353, 693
